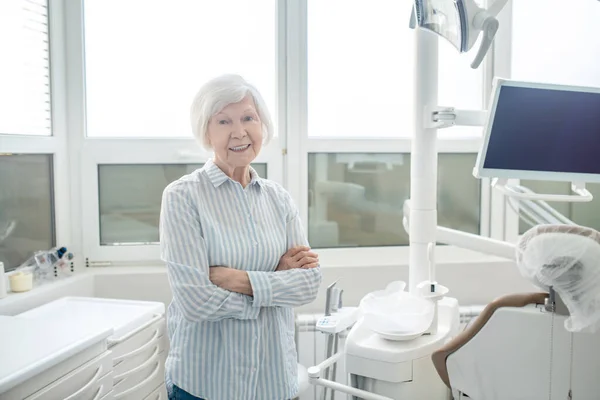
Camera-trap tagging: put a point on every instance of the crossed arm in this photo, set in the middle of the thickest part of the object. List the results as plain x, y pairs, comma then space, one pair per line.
239, 281
211, 294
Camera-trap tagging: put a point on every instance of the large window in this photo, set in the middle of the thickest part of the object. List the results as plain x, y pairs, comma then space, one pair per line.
360, 71
26, 207
145, 61
355, 200
30, 150
25, 68
138, 86
130, 197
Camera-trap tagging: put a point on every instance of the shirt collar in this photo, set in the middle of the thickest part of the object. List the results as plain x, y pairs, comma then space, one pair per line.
218, 177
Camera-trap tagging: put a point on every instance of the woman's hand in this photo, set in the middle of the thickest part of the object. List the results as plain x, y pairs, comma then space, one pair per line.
220, 276
234, 280
298, 257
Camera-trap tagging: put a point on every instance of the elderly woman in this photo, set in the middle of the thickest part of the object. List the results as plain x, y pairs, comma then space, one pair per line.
237, 257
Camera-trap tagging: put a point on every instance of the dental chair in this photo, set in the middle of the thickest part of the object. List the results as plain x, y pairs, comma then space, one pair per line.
539, 345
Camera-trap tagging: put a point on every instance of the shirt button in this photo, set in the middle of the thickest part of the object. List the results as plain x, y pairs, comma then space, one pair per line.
255, 337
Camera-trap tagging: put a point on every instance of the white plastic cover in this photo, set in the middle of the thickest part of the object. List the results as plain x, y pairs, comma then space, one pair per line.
394, 312
566, 258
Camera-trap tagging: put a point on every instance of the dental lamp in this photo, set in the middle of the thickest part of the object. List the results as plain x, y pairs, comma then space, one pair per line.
460, 22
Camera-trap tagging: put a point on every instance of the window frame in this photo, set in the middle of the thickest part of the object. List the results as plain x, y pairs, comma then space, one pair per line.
97, 152
286, 156
90, 152
296, 20
57, 144
504, 220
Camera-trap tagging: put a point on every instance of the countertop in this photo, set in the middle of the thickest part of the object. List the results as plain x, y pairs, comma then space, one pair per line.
42, 337
31, 346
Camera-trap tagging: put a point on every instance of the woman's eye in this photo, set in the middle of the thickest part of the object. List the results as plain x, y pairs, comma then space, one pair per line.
248, 118
222, 122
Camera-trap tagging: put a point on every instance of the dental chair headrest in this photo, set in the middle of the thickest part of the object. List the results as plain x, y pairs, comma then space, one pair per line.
565, 258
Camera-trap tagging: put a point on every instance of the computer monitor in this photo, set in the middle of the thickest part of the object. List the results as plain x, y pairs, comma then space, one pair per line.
539, 131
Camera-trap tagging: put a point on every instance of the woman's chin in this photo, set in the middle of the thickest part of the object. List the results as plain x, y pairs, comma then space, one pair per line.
241, 159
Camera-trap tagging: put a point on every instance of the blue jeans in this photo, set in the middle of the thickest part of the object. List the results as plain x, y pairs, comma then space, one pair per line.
179, 394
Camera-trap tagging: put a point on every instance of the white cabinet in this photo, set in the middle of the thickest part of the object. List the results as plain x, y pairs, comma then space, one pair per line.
40, 357
139, 362
127, 365
92, 380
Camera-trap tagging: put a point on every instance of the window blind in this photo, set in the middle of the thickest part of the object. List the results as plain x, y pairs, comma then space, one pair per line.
24, 68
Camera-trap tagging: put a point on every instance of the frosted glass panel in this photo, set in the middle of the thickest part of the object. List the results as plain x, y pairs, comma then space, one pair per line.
130, 198
356, 199
26, 207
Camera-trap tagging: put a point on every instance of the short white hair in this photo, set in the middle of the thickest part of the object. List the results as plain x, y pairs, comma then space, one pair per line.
218, 93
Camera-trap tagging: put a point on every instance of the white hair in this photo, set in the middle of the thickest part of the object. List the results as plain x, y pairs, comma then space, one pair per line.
217, 94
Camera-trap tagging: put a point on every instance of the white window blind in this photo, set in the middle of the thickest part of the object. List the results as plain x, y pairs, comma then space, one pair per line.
24, 68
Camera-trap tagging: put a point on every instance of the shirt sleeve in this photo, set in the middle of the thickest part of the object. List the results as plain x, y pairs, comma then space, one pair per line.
183, 249
291, 288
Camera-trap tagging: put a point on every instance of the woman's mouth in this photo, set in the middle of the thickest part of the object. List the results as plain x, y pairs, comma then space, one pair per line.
240, 149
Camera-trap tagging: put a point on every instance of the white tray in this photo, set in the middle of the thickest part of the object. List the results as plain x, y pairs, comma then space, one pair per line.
124, 316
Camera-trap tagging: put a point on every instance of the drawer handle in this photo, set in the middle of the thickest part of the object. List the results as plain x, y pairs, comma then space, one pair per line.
87, 385
98, 392
112, 342
153, 375
142, 348
149, 361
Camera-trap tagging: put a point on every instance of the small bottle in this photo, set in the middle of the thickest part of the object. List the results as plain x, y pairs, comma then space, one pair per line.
2, 281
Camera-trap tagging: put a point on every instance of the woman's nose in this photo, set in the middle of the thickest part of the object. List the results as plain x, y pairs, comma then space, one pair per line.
238, 131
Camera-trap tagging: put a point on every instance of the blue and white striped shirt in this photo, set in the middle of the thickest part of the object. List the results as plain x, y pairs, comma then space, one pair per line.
226, 345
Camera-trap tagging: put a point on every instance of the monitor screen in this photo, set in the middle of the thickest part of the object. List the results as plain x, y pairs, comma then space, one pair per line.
542, 132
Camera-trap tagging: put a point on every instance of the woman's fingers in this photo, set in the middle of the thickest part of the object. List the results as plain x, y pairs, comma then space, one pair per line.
295, 250
309, 260
309, 266
303, 254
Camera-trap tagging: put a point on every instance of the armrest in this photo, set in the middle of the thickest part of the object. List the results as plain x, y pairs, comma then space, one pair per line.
513, 300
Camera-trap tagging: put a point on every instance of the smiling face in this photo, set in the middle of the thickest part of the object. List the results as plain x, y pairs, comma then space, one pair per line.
235, 135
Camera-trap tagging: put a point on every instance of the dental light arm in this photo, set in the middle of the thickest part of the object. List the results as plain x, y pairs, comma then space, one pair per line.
486, 22
466, 240
537, 213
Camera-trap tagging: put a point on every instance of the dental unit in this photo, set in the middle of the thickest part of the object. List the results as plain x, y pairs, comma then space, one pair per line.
406, 344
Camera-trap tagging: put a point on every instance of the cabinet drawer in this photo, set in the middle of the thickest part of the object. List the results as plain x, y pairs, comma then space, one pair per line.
91, 381
141, 381
159, 394
131, 344
127, 362
39, 382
